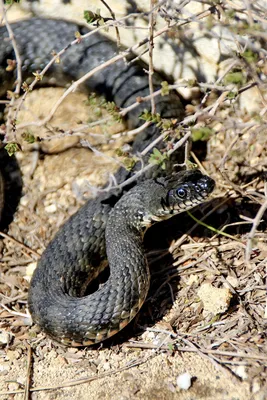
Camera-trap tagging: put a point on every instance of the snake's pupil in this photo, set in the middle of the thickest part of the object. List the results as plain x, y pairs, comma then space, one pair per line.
181, 193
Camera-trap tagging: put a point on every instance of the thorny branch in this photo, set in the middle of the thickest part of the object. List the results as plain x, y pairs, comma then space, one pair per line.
114, 185
256, 221
150, 55
10, 123
75, 85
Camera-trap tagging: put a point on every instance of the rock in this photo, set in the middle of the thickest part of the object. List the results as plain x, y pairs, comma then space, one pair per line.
184, 381
215, 300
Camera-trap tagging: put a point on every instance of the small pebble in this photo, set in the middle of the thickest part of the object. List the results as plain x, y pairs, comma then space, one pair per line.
5, 337
184, 381
241, 371
106, 366
52, 208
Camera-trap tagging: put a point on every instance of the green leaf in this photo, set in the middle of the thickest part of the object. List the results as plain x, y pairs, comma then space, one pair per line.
12, 1
28, 137
232, 95
129, 163
91, 17
236, 78
250, 56
202, 134
113, 110
165, 88
158, 158
11, 148
148, 117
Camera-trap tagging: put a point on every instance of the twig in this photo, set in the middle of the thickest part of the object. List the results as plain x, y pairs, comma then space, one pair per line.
56, 57
99, 153
255, 224
227, 151
87, 76
104, 65
189, 232
218, 364
143, 345
211, 228
81, 381
20, 244
158, 92
114, 19
10, 122
113, 183
28, 377
133, 178
132, 132
15, 313
150, 57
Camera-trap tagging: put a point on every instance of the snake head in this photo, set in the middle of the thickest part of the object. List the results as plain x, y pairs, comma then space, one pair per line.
185, 190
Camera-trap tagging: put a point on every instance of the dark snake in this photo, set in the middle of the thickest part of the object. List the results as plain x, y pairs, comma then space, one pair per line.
110, 228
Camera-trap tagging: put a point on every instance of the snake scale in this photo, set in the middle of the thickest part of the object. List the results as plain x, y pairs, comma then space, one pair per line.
110, 228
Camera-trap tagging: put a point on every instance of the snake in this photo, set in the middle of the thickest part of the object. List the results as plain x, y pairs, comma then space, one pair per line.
109, 229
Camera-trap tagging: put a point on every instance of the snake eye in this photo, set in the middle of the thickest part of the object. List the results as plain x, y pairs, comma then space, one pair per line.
181, 193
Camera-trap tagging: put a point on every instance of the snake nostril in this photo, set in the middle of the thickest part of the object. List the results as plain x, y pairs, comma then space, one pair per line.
207, 184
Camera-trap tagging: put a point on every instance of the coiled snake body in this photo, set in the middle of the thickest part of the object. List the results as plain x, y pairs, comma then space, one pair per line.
107, 228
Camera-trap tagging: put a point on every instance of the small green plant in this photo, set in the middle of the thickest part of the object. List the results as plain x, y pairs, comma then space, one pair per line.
158, 158
250, 56
91, 17
232, 95
203, 134
12, 148
235, 77
165, 90
113, 110
128, 161
10, 2
28, 137
38, 76
149, 117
